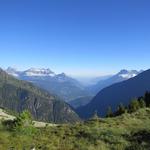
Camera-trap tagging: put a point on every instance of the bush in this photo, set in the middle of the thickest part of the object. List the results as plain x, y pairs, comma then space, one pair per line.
22, 124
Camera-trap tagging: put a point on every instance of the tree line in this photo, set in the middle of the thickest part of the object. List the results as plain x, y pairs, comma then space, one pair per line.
133, 106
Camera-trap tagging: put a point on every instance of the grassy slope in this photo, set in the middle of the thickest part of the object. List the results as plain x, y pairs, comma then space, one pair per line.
126, 132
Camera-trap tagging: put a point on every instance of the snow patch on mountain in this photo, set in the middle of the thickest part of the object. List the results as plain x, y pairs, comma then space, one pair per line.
33, 72
128, 74
13, 72
39, 72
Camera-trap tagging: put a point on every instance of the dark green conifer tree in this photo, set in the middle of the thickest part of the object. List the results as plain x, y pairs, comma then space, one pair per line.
95, 115
147, 99
142, 103
121, 109
134, 105
109, 112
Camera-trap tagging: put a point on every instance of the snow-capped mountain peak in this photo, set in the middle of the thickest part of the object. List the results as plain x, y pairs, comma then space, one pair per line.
12, 71
32, 72
39, 72
128, 74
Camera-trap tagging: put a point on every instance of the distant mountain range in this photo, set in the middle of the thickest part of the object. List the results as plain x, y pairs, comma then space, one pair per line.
60, 84
17, 95
119, 77
69, 89
115, 94
32, 72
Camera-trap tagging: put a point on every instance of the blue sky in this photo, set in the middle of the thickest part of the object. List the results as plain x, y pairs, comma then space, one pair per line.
79, 37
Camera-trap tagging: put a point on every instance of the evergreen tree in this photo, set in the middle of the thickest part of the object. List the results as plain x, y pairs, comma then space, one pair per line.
134, 105
95, 116
109, 112
121, 109
147, 99
24, 124
142, 103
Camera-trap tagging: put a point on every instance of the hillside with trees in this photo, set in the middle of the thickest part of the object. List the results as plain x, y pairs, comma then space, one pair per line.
17, 96
128, 128
115, 94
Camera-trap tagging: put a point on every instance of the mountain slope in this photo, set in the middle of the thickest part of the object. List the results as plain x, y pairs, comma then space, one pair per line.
121, 92
19, 95
119, 77
60, 84
82, 101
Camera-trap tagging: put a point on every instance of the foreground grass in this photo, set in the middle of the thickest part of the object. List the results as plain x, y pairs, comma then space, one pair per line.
126, 132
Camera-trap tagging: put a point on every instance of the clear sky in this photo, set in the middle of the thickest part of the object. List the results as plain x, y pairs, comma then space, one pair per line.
79, 37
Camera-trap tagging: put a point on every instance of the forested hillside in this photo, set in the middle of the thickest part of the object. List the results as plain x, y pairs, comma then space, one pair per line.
16, 95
